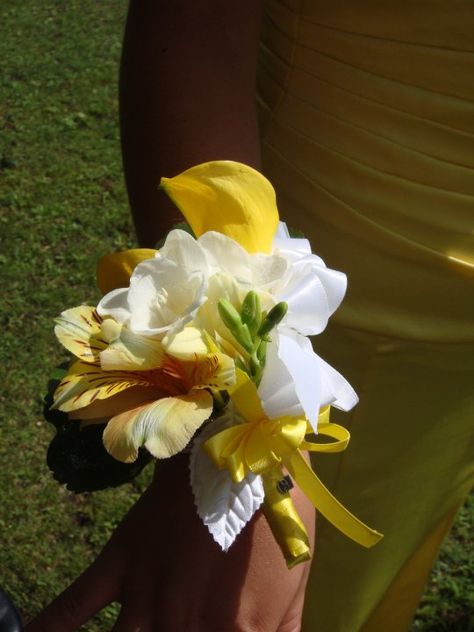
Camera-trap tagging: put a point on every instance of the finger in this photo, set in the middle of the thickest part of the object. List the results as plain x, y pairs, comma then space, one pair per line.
95, 588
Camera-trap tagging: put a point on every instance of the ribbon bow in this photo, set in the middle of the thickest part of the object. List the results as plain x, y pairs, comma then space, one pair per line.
261, 444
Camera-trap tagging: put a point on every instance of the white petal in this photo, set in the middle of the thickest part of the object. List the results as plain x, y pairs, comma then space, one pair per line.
298, 252
226, 255
163, 296
132, 352
308, 309
335, 389
182, 249
291, 379
225, 507
291, 248
335, 285
277, 389
268, 271
282, 231
290, 245
316, 382
115, 304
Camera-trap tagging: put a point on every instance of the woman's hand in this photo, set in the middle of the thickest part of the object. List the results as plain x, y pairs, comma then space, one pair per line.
163, 566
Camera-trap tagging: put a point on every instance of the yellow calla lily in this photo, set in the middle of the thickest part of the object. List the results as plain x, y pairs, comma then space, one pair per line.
223, 196
227, 197
113, 271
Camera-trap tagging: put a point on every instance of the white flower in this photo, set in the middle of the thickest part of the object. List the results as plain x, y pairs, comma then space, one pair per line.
313, 291
291, 274
297, 381
165, 292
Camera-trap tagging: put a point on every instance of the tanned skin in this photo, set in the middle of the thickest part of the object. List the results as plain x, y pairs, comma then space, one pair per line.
187, 95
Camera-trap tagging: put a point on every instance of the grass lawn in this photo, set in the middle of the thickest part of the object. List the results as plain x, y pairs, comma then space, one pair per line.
62, 205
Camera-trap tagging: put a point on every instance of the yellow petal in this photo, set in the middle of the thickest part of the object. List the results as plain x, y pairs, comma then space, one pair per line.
216, 370
164, 427
227, 197
132, 352
103, 409
79, 330
113, 271
118, 438
86, 382
188, 344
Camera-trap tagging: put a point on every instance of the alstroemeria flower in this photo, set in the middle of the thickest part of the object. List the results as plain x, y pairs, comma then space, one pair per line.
105, 342
160, 408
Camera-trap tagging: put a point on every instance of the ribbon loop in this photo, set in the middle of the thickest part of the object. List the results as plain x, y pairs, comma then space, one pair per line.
260, 444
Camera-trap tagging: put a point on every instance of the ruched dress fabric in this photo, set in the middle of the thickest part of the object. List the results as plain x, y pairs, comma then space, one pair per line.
367, 120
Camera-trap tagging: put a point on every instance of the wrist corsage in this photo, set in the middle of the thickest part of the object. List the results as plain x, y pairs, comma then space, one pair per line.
203, 345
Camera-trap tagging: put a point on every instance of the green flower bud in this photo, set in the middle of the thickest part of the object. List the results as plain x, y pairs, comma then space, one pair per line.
274, 316
262, 353
233, 322
229, 314
251, 312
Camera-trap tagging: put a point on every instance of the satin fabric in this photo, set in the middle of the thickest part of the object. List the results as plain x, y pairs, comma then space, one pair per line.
367, 127
367, 123
408, 467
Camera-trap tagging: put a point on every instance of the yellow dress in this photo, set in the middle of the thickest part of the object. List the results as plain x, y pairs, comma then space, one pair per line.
367, 122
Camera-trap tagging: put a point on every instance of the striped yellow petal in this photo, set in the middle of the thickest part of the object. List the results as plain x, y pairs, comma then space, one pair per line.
216, 370
79, 330
113, 271
227, 197
102, 410
86, 382
164, 427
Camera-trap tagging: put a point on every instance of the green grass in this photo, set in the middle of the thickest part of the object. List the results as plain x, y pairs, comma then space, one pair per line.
62, 205
448, 602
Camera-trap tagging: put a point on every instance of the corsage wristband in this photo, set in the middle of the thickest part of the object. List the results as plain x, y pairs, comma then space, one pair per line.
210, 333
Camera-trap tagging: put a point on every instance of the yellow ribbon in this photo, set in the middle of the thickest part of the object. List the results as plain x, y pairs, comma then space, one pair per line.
284, 521
262, 444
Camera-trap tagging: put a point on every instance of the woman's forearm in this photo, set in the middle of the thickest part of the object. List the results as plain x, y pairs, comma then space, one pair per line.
187, 95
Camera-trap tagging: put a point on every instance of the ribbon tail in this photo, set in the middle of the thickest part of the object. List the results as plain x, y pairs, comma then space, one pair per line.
326, 504
284, 521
